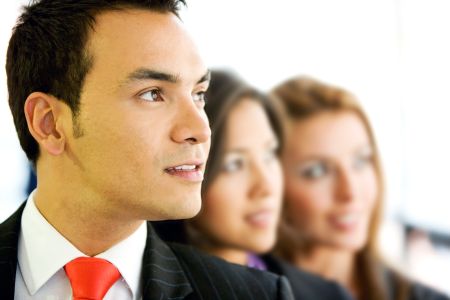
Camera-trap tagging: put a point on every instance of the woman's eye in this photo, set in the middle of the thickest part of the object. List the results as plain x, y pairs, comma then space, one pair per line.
233, 165
151, 95
362, 161
199, 97
314, 171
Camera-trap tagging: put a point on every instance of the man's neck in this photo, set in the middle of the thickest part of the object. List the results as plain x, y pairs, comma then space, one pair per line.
88, 227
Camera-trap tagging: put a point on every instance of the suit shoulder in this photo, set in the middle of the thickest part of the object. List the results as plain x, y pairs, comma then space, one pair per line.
9, 232
214, 278
415, 291
306, 285
422, 292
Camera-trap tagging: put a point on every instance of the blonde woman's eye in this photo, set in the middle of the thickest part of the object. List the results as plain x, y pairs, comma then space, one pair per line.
314, 171
153, 95
362, 161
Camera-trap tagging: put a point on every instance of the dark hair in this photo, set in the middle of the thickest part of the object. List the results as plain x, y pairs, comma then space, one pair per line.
225, 91
47, 53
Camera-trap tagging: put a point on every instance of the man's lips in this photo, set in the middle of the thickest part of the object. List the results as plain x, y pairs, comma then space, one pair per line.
191, 171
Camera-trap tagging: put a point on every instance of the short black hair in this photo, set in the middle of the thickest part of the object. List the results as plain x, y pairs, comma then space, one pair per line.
47, 53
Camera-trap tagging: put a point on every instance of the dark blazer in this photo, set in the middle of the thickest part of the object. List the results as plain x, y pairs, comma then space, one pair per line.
421, 292
415, 291
169, 272
304, 284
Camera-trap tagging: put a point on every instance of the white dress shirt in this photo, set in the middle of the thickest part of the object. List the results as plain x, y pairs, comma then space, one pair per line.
43, 252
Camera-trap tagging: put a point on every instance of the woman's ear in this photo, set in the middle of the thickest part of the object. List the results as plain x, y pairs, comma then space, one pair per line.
42, 112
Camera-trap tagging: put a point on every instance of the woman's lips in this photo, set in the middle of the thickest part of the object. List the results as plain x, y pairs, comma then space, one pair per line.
345, 222
261, 218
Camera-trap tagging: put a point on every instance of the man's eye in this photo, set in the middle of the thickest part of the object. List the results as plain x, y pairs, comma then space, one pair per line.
271, 155
199, 97
151, 95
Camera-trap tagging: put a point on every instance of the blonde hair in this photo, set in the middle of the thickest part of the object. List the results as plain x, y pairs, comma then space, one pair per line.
304, 97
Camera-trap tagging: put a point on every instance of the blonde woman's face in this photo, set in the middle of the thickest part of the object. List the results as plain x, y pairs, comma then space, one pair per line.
331, 184
241, 208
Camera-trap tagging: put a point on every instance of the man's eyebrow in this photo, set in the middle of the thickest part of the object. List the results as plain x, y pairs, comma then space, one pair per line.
144, 74
206, 77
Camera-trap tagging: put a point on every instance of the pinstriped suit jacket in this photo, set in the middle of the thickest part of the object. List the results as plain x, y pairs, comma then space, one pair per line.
170, 271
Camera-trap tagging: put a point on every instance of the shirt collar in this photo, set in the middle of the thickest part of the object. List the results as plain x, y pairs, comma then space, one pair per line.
127, 257
40, 258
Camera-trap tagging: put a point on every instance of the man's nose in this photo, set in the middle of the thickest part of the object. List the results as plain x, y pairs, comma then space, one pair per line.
191, 124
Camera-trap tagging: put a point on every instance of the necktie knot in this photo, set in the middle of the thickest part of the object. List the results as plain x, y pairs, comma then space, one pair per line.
91, 277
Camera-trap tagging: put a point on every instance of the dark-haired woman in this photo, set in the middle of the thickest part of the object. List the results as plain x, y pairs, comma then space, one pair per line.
242, 189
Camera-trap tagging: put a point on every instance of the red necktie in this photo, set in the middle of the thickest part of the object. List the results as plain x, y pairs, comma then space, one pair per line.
91, 277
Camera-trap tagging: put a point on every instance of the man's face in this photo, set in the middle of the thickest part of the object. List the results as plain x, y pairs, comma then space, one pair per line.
145, 135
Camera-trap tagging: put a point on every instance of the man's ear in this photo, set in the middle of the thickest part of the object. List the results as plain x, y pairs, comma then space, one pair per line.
42, 112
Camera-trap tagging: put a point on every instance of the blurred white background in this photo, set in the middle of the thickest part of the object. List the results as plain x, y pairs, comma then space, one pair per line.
393, 54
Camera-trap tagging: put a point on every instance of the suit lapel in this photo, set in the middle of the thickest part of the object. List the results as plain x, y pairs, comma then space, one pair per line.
9, 237
163, 277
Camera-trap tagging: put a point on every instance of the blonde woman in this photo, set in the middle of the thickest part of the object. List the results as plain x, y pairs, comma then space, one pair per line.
334, 191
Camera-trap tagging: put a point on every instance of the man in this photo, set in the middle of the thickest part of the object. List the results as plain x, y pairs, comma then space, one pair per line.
107, 98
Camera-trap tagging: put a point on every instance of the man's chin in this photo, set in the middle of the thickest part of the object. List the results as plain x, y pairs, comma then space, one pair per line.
192, 210
185, 210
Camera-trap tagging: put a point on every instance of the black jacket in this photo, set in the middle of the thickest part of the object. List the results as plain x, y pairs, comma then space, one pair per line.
415, 291
306, 285
169, 272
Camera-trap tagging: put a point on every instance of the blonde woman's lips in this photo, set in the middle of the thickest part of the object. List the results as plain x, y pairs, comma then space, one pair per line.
345, 221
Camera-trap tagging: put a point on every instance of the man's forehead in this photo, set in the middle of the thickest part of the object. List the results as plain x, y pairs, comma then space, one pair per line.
131, 22
135, 50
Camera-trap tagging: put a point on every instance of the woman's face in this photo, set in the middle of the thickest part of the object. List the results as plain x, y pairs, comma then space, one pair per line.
331, 183
241, 208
